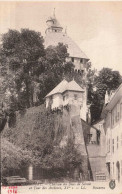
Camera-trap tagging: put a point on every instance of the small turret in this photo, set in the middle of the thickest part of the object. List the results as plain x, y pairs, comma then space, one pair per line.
53, 24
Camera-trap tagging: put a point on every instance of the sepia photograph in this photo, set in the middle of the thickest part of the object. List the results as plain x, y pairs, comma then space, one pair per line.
61, 97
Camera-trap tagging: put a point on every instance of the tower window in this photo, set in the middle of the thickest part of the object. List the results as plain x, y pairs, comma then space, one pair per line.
75, 96
72, 59
113, 145
81, 60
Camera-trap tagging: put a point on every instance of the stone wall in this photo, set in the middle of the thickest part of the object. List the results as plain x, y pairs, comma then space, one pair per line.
69, 123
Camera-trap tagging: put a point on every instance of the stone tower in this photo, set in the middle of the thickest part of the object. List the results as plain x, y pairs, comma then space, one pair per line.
53, 25
54, 35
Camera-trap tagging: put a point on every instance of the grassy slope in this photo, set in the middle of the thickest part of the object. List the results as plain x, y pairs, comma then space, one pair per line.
31, 131
13, 156
28, 125
44, 134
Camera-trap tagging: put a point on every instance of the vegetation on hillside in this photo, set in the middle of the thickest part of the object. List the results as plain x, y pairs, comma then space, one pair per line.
35, 139
13, 157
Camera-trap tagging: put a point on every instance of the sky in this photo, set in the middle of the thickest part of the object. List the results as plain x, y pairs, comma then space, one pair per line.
95, 26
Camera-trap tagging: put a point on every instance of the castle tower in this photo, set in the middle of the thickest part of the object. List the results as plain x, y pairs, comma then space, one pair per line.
54, 35
53, 25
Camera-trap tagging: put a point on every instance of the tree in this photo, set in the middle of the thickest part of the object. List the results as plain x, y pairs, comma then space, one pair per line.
13, 157
54, 67
19, 54
29, 71
109, 79
40, 123
106, 80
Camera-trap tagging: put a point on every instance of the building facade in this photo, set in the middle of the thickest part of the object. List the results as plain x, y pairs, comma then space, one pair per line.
68, 93
112, 114
54, 35
96, 148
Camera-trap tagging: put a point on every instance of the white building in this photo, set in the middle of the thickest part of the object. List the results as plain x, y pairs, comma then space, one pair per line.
113, 125
55, 35
68, 93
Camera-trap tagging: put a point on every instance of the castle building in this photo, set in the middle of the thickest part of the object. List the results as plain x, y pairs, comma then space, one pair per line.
112, 115
68, 93
72, 95
55, 35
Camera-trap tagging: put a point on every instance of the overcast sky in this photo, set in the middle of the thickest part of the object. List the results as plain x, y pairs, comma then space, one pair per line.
95, 26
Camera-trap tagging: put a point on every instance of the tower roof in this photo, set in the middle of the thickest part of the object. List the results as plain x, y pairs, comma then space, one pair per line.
55, 22
65, 86
53, 38
73, 86
59, 88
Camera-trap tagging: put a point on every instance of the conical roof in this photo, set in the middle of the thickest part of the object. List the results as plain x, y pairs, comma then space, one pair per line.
52, 38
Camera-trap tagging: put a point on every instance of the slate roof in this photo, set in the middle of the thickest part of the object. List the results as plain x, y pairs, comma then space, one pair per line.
65, 86
53, 38
59, 88
73, 86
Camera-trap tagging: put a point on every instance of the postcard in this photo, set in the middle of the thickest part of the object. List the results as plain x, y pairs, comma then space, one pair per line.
61, 97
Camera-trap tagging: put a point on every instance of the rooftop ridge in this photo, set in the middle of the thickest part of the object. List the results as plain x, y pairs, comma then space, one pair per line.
65, 86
